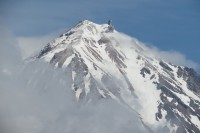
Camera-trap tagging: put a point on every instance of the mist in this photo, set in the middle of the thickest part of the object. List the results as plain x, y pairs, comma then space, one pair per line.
36, 97
171, 56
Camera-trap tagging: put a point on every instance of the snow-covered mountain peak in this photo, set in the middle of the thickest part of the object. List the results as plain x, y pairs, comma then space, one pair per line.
84, 23
104, 63
87, 28
84, 31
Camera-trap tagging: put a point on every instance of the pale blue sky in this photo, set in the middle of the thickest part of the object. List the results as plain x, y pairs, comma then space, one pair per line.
167, 24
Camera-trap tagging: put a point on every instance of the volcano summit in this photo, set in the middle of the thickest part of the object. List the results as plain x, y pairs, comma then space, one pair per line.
106, 64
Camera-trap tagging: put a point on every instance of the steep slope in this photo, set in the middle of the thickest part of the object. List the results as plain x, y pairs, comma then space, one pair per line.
104, 63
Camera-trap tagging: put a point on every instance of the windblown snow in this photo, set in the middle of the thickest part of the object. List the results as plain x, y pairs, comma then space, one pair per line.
104, 63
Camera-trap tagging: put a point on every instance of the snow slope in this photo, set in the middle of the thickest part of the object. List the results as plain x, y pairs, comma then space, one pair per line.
104, 63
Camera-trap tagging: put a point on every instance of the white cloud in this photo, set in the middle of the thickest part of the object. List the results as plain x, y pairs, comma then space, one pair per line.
33, 44
8, 50
41, 101
37, 98
172, 56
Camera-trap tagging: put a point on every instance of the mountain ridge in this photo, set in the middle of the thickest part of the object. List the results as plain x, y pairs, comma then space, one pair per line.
104, 63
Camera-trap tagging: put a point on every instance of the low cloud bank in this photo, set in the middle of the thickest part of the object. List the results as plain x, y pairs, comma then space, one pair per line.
37, 98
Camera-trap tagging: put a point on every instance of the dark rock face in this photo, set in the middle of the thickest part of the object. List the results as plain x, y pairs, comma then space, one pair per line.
144, 71
94, 53
46, 49
78, 66
67, 34
61, 57
110, 28
165, 66
104, 40
178, 113
112, 52
191, 77
115, 56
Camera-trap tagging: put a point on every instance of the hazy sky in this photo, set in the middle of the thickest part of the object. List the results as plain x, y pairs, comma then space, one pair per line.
167, 24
